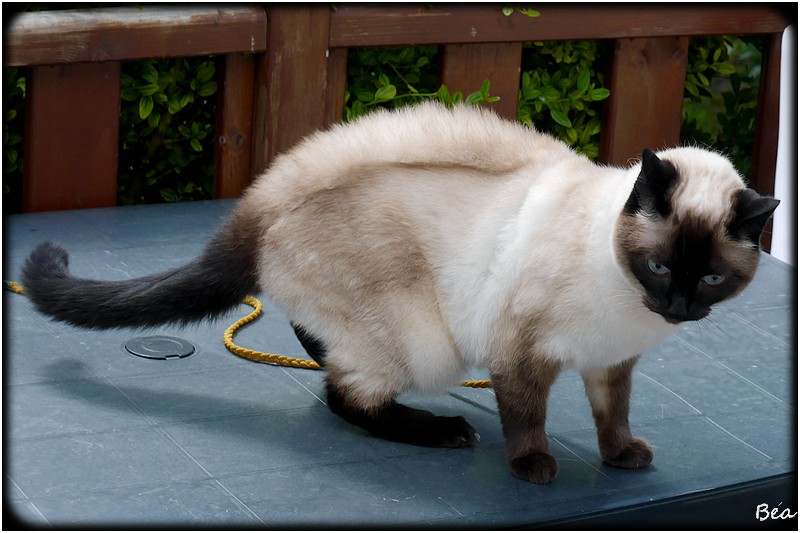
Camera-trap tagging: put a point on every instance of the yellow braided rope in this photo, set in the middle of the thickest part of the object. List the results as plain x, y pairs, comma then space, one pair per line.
261, 357
15, 287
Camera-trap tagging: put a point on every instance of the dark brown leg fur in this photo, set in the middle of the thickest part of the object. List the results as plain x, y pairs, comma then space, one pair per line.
609, 393
397, 422
522, 400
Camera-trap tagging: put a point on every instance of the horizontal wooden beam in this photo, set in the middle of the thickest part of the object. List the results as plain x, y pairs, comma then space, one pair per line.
112, 34
353, 26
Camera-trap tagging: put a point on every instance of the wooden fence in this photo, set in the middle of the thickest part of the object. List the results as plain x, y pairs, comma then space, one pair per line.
285, 68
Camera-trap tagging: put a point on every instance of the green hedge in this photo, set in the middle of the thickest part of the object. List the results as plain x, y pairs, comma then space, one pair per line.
167, 130
721, 96
168, 106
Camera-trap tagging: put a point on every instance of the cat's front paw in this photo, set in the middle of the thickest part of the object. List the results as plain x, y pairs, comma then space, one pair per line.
637, 454
539, 467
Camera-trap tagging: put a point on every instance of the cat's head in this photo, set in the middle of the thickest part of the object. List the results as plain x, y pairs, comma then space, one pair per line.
689, 232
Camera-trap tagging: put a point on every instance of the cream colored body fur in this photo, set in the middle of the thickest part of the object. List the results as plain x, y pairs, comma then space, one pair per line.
419, 246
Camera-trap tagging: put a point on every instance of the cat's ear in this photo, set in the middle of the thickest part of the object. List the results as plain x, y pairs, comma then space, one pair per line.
752, 212
649, 193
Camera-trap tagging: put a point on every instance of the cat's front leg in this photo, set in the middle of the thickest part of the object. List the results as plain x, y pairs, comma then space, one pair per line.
522, 391
609, 393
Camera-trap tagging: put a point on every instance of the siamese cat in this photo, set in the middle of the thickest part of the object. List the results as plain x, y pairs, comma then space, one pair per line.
411, 245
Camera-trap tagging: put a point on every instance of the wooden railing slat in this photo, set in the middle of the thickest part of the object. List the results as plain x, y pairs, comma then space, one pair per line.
336, 85
72, 136
644, 109
455, 23
765, 144
234, 130
466, 66
291, 82
110, 34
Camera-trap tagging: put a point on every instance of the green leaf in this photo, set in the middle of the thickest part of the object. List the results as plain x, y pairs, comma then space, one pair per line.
149, 89
600, 94
364, 95
205, 71
173, 106
153, 119
129, 94
508, 11
531, 93
168, 195
583, 80
551, 94
572, 135
442, 94
208, 89
385, 93
186, 99
196, 146
726, 69
406, 56
145, 106
593, 127
528, 12
149, 72
560, 117
474, 98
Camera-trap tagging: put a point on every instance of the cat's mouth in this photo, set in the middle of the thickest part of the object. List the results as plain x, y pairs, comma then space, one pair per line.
678, 316
678, 319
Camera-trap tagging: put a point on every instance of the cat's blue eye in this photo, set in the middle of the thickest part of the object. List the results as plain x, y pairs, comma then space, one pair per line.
657, 268
713, 279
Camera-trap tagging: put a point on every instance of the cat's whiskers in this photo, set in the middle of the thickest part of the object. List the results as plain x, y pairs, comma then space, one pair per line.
705, 322
623, 301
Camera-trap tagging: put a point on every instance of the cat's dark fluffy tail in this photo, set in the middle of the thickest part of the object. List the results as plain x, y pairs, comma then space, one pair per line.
220, 278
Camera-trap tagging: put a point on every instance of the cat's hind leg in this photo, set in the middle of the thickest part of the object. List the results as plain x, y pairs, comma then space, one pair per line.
365, 396
394, 421
609, 393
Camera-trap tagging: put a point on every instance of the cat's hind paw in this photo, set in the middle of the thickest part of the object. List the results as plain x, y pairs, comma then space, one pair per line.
453, 432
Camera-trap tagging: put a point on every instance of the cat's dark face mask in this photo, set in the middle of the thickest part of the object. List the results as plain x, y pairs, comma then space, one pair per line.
685, 278
691, 264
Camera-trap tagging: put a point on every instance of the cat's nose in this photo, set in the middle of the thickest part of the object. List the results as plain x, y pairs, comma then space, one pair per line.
679, 306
